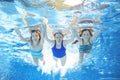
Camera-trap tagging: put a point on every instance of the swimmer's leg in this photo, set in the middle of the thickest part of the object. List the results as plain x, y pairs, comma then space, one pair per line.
81, 55
63, 60
41, 63
42, 60
56, 60
36, 61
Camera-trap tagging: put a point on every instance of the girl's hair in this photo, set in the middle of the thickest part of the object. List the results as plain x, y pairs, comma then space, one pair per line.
89, 30
81, 33
38, 32
58, 33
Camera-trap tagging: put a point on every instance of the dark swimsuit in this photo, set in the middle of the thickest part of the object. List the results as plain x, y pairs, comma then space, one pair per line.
59, 53
85, 48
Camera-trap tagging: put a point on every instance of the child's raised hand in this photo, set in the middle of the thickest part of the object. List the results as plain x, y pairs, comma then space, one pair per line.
74, 22
25, 13
45, 20
17, 31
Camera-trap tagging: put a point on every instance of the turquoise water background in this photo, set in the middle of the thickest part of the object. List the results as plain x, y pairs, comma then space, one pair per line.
103, 63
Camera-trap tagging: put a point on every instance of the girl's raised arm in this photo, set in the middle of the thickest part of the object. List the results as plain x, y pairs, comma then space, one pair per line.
97, 33
19, 34
45, 23
24, 18
72, 36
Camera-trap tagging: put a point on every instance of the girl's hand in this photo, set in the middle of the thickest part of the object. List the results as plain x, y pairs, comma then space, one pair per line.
25, 13
17, 31
74, 22
45, 20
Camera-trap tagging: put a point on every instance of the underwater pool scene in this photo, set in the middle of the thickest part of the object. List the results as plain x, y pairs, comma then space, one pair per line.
103, 62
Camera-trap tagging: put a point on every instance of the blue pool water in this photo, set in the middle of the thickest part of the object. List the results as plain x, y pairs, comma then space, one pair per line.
103, 63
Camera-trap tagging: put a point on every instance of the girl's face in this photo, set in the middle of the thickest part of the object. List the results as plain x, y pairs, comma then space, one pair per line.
58, 38
35, 37
86, 35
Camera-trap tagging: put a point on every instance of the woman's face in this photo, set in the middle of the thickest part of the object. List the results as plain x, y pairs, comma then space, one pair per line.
35, 37
58, 38
86, 35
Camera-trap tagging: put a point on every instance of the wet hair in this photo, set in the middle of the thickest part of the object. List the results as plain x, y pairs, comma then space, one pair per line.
81, 33
38, 32
89, 30
58, 33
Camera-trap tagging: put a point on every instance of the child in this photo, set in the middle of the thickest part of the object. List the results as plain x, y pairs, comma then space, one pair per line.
36, 40
85, 38
59, 46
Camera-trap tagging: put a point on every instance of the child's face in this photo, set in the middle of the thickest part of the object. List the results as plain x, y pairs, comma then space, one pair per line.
86, 35
35, 37
58, 37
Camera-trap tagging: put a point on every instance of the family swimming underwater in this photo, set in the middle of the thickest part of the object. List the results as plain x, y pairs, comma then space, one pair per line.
38, 34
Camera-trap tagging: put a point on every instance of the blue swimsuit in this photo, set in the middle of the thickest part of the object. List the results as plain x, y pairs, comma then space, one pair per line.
36, 53
59, 53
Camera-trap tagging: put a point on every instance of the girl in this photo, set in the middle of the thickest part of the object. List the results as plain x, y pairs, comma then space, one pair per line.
85, 38
36, 40
59, 46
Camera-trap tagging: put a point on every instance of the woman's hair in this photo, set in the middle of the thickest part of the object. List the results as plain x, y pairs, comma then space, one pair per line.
89, 30
38, 32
